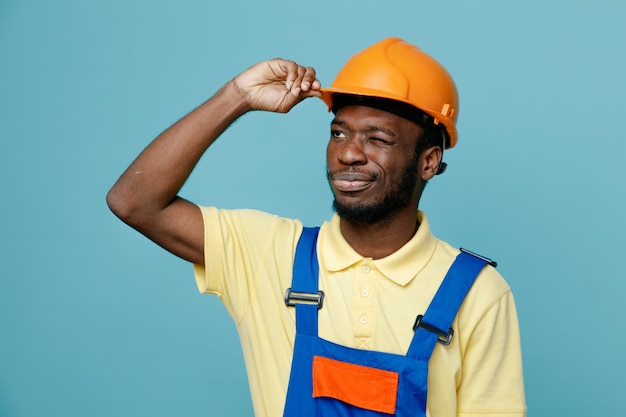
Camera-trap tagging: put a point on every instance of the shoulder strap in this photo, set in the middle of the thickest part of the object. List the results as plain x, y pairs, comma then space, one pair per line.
304, 294
435, 325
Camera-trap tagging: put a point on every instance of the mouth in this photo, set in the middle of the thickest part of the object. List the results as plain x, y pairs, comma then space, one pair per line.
350, 182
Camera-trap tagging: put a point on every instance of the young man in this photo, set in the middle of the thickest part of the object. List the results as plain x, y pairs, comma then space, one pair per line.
387, 292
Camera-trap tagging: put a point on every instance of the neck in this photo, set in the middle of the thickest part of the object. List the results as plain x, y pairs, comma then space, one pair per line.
380, 239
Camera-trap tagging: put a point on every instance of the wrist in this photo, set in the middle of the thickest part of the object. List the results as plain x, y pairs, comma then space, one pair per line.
238, 98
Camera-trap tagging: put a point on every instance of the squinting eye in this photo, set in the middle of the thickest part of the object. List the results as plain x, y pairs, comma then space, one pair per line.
379, 140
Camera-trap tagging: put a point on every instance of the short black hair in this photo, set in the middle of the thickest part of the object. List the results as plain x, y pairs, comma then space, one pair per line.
432, 135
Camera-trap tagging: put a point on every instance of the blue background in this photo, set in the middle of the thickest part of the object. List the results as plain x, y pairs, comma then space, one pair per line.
95, 320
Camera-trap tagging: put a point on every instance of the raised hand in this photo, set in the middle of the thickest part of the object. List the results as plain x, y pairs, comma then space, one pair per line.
276, 85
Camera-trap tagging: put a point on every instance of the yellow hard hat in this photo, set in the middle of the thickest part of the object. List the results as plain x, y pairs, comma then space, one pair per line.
396, 70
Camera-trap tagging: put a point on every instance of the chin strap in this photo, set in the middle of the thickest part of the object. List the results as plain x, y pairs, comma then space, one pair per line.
442, 165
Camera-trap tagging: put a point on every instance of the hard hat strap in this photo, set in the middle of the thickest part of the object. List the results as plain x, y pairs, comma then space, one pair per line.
442, 165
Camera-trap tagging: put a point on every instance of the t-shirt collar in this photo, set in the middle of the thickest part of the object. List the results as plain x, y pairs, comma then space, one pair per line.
400, 267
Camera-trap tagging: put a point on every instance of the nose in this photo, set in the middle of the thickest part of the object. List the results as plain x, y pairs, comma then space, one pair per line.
351, 152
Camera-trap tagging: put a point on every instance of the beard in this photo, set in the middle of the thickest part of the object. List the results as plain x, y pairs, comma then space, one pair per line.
395, 199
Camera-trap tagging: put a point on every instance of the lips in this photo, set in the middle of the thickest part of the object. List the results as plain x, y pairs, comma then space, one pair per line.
351, 181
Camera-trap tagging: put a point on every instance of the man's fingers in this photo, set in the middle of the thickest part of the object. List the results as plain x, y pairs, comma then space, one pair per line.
294, 84
298, 78
288, 70
309, 81
277, 85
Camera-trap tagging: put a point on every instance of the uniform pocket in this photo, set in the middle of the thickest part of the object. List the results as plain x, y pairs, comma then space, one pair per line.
361, 386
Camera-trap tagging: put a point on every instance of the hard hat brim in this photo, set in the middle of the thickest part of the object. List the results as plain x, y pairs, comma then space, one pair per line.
327, 98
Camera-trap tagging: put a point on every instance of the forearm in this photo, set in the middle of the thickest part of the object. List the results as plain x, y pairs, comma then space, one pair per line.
145, 196
156, 176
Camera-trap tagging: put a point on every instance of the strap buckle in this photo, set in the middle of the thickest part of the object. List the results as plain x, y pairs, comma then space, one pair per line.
484, 258
443, 337
294, 297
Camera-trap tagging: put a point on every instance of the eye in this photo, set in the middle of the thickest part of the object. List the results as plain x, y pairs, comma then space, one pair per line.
378, 140
337, 134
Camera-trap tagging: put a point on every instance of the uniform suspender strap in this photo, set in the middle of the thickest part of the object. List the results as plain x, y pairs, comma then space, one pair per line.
304, 292
435, 325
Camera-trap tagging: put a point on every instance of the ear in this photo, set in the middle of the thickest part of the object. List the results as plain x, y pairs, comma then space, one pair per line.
429, 162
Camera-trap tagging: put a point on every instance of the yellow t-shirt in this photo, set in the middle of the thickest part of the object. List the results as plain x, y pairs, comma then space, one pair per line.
369, 304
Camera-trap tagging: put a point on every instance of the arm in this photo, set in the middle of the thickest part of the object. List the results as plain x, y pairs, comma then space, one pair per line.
145, 196
492, 380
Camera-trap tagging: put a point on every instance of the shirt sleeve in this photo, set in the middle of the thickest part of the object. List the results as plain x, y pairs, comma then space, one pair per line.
492, 381
237, 244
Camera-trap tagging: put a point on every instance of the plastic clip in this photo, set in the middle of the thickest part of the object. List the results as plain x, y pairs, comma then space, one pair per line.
443, 337
294, 297
489, 261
